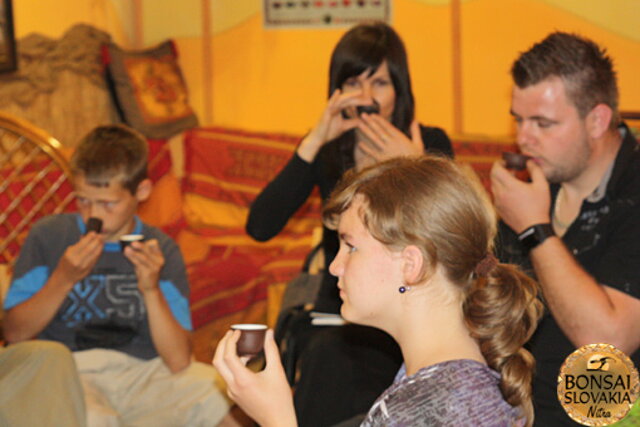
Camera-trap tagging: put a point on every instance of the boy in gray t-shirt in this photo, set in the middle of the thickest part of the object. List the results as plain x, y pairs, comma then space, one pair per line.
124, 312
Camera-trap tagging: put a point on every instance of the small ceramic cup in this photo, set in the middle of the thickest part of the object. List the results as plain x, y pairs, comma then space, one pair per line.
128, 238
515, 161
251, 338
94, 224
369, 109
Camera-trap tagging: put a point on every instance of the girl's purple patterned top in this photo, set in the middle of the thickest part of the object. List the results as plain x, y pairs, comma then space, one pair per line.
452, 393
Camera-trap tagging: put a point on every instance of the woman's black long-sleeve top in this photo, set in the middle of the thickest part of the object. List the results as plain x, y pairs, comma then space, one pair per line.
282, 197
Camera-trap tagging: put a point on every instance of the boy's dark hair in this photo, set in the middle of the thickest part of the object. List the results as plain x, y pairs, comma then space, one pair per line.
585, 68
112, 151
365, 47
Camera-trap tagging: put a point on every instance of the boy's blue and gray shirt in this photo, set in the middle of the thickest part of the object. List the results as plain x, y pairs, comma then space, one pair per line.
105, 309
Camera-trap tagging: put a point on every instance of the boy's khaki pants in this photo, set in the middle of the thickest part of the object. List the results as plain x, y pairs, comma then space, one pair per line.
121, 390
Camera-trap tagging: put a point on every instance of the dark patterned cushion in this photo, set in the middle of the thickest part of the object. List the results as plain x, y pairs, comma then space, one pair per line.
149, 90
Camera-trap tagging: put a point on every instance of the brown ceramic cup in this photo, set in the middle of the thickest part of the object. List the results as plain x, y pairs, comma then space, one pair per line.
251, 338
128, 238
369, 109
94, 224
515, 161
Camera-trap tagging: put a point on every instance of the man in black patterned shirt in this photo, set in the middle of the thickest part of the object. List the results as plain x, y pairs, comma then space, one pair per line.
576, 224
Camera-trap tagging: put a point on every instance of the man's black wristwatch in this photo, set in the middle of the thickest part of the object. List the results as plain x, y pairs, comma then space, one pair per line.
534, 235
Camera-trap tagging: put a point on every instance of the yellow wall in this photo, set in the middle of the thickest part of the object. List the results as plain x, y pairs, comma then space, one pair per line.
495, 31
276, 80
53, 17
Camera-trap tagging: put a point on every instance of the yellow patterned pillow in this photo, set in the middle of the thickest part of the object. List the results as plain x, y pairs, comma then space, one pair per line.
149, 90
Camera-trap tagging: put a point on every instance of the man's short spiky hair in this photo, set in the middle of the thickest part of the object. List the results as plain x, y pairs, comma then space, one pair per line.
112, 151
585, 68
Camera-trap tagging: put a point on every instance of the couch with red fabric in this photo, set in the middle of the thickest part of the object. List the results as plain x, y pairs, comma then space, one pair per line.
233, 278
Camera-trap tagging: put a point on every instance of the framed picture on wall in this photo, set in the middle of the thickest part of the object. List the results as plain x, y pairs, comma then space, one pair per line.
323, 13
8, 60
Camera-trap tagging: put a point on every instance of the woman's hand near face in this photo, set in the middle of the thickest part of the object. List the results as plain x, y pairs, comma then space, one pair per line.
385, 141
331, 125
265, 396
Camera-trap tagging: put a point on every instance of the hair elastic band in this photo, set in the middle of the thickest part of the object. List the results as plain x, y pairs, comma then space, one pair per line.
485, 265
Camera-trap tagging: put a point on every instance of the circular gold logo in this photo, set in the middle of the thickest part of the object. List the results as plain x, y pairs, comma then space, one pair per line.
597, 385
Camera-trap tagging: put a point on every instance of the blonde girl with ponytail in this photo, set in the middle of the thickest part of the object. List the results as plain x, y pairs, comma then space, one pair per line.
416, 260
